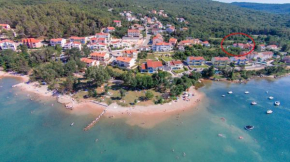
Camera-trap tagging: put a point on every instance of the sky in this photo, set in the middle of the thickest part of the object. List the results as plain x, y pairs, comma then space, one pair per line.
257, 1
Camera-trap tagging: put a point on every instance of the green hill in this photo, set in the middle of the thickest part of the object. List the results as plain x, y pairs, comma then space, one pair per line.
271, 8
62, 18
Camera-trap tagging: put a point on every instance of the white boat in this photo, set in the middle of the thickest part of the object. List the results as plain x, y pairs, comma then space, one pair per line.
249, 127
276, 103
230, 92
253, 103
271, 98
72, 124
247, 92
269, 111
223, 95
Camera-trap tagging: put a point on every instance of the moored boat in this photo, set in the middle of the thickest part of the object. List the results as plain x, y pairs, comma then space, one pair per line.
247, 92
269, 111
253, 103
72, 124
230, 92
223, 95
271, 98
276, 103
249, 127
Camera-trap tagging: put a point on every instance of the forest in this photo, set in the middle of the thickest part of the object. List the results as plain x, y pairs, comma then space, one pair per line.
63, 18
271, 8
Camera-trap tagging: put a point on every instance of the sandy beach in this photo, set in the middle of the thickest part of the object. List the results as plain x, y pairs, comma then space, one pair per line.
150, 115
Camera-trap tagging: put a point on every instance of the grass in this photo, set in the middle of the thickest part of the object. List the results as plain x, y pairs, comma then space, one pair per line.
166, 58
178, 71
198, 66
116, 69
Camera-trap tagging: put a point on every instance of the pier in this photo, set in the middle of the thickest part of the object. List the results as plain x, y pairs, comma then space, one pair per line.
94, 121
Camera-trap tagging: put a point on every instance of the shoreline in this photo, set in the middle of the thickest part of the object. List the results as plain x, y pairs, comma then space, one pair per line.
90, 107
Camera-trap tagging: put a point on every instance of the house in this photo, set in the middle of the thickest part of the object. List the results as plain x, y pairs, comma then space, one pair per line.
265, 55
137, 26
286, 60
181, 19
173, 41
195, 60
131, 18
145, 48
188, 42
90, 62
272, 47
240, 45
156, 31
71, 45
131, 53
102, 57
206, 44
220, 61
8, 44
98, 40
261, 47
109, 29
97, 46
118, 23
162, 47
5, 26
154, 12
157, 39
170, 29
32, 43
125, 62
133, 33
82, 40
116, 44
151, 66
107, 36
175, 64
239, 60
58, 41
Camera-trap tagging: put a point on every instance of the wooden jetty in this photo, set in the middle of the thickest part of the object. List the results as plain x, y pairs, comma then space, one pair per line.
94, 121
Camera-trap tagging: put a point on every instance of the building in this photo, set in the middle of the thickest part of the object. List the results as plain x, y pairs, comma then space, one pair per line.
90, 62
8, 44
32, 43
82, 40
104, 35
58, 41
157, 39
151, 66
118, 23
98, 46
170, 29
265, 55
272, 47
173, 41
125, 62
5, 26
220, 61
110, 29
286, 60
138, 26
206, 44
145, 48
195, 60
71, 45
133, 33
188, 42
250, 56
261, 47
162, 47
102, 57
239, 60
175, 64
131, 53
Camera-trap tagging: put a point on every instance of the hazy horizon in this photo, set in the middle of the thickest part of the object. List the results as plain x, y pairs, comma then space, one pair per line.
256, 1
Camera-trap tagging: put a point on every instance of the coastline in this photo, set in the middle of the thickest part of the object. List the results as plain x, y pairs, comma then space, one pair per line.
112, 111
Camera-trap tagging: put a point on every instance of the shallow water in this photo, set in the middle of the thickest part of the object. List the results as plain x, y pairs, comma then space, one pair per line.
32, 131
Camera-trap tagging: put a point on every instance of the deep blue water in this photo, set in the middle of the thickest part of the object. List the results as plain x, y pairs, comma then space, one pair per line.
36, 131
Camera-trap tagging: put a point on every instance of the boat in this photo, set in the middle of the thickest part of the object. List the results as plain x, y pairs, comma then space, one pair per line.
249, 127
230, 92
72, 124
96, 140
276, 103
247, 92
271, 98
253, 103
269, 111
223, 95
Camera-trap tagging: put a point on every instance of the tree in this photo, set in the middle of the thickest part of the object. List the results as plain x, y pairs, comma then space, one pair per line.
122, 93
97, 75
149, 95
69, 83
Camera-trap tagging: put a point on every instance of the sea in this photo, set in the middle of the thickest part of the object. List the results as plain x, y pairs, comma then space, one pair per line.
39, 130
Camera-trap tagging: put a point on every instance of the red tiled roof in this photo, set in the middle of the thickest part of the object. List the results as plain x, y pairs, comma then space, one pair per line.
74, 37
221, 58
205, 42
87, 60
102, 33
143, 66
162, 44
195, 58
173, 40
154, 64
56, 39
110, 28
116, 21
175, 62
133, 31
6, 40
76, 43
124, 59
268, 53
98, 54
262, 45
240, 58
30, 40
130, 51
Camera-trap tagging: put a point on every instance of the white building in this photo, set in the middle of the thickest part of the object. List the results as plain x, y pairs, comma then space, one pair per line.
8, 44
58, 41
162, 47
125, 62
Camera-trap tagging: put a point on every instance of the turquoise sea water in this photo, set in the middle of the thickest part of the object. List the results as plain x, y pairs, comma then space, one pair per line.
36, 131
